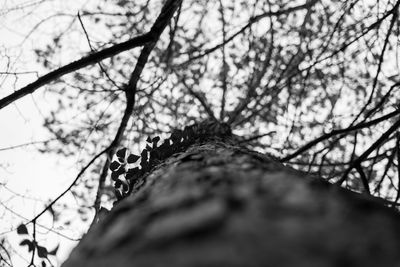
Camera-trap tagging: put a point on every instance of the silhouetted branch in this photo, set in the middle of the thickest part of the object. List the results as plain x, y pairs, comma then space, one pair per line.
255, 80
384, 137
364, 179
256, 137
27, 144
93, 58
76, 65
71, 185
341, 131
387, 167
394, 18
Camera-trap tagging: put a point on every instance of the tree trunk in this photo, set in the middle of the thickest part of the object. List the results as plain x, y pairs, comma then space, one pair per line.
218, 204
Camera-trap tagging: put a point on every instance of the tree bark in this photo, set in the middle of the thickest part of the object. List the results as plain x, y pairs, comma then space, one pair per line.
219, 204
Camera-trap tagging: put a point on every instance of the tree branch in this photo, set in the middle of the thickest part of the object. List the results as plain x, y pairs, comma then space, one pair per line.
363, 178
341, 131
76, 65
199, 97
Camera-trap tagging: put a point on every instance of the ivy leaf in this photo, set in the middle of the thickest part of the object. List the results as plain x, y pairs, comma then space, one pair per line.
121, 153
42, 252
155, 154
118, 194
54, 251
114, 165
117, 183
114, 176
144, 155
148, 140
133, 158
132, 173
166, 143
22, 230
27, 242
120, 171
155, 141
176, 136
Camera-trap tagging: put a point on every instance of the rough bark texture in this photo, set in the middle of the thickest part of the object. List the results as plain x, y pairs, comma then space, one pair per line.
221, 205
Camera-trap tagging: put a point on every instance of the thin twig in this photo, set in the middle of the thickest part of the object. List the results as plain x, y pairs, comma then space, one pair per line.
93, 50
26, 144
340, 131
394, 18
71, 185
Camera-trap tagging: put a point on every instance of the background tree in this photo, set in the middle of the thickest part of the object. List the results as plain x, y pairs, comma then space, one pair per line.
313, 83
